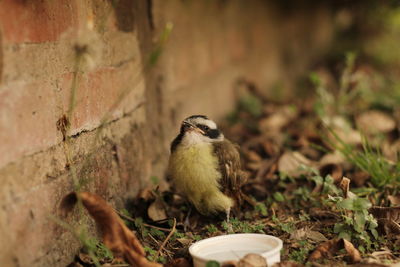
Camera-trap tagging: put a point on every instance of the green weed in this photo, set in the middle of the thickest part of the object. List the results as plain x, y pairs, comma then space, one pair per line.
301, 254
357, 224
243, 226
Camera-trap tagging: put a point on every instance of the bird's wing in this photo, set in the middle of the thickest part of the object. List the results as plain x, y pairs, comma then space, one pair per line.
229, 165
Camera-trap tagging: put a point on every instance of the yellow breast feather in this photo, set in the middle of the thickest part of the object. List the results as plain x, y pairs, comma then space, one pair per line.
194, 170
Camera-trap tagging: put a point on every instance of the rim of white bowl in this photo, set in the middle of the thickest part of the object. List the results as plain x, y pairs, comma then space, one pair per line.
265, 254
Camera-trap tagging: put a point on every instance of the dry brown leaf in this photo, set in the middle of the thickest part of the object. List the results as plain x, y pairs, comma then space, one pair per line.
374, 121
146, 194
394, 200
252, 260
115, 235
345, 186
321, 214
392, 213
343, 129
156, 210
179, 262
277, 120
332, 158
306, 233
388, 219
331, 247
290, 163
185, 241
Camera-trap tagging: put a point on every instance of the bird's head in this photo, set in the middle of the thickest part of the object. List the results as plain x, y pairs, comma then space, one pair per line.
198, 129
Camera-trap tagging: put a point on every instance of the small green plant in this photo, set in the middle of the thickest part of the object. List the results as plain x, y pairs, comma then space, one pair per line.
140, 227
212, 264
301, 254
238, 226
261, 208
152, 255
287, 227
211, 228
356, 224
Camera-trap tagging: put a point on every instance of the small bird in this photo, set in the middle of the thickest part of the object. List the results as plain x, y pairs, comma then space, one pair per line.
205, 166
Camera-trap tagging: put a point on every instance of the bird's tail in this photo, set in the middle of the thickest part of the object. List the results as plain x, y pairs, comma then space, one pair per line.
215, 203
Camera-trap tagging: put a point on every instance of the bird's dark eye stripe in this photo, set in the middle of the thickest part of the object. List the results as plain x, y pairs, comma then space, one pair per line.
213, 133
203, 127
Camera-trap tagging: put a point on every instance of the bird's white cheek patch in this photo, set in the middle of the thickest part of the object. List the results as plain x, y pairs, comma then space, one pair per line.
193, 138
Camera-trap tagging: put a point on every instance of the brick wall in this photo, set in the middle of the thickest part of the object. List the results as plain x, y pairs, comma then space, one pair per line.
212, 44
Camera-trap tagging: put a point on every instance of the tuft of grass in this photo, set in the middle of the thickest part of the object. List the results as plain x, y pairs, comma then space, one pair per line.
369, 159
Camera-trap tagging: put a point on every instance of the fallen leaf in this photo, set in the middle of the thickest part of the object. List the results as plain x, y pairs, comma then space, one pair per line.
115, 235
252, 156
394, 200
319, 213
331, 247
388, 219
277, 120
332, 158
343, 129
390, 150
156, 211
382, 122
291, 162
306, 233
179, 262
185, 241
345, 186
252, 260
146, 194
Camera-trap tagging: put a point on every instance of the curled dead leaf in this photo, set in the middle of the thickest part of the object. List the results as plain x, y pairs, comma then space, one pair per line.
345, 186
331, 247
115, 235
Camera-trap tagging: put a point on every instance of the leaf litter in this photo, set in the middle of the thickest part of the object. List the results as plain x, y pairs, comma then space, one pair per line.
321, 177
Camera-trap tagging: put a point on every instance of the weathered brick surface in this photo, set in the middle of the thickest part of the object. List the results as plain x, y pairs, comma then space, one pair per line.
213, 43
36, 21
28, 112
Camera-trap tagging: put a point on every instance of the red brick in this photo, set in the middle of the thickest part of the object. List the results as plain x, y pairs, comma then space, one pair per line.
36, 21
97, 92
28, 116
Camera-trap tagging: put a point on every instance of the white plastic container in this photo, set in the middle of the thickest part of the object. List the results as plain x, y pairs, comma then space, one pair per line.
233, 247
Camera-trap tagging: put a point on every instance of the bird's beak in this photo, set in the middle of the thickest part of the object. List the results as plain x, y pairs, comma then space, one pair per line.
190, 127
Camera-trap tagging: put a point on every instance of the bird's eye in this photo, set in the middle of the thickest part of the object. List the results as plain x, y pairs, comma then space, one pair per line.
204, 127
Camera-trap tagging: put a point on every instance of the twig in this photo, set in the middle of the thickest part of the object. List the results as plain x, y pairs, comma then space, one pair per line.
166, 239
126, 217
